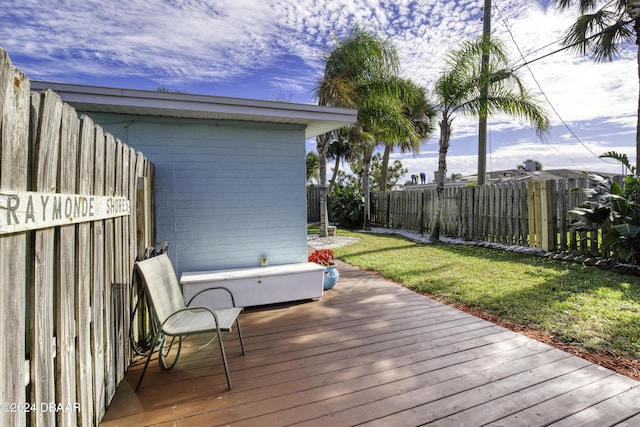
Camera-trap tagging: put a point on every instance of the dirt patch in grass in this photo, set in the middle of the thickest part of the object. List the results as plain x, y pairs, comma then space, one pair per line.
620, 364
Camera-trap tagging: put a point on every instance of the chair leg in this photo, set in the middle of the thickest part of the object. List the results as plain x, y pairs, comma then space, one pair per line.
224, 359
240, 335
146, 363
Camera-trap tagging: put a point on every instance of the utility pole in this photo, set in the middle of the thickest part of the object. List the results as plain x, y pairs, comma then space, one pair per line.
482, 124
633, 9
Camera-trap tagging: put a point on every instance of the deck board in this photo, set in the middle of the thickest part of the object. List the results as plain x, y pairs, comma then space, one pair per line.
372, 352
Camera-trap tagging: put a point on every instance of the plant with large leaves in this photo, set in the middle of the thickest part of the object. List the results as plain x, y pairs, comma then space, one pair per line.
458, 91
347, 202
614, 209
602, 30
362, 72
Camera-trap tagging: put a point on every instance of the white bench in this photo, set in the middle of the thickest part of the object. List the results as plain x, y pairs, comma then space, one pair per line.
256, 285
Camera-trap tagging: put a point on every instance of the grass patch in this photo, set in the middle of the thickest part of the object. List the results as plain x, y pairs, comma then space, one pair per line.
596, 309
313, 229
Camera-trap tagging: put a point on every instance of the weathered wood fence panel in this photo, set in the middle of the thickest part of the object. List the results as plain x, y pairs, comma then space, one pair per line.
64, 289
83, 281
47, 144
313, 203
97, 306
534, 214
14, 156
65, 319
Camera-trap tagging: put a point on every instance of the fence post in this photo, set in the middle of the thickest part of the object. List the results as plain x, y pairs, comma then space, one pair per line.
472, 209
533, 213
143, 233
388, 209
421, 225
540, 210
548, 242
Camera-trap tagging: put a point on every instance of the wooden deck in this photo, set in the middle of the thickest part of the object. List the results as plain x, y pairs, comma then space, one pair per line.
372, 352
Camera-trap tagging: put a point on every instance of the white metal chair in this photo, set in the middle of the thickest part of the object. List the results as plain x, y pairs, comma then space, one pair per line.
176, 319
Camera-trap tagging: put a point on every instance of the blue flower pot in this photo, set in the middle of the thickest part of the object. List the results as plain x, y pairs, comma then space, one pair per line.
331, 276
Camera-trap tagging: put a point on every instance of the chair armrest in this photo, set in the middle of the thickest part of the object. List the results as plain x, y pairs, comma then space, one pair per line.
194, 308
213, 288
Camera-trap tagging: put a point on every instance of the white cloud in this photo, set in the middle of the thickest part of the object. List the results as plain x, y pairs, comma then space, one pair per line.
280, 44
194, 40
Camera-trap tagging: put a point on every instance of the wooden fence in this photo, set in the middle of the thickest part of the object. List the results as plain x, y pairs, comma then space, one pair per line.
64, 289
313, 203
534, 214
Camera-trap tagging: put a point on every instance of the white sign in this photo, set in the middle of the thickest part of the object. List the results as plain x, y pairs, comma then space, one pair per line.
28, 210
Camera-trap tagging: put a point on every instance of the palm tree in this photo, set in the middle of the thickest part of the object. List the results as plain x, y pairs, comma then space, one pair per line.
350, 65
385, 120
421, 112
322, 146
361, 72
602, 30
312, 167
458, 92
339, 149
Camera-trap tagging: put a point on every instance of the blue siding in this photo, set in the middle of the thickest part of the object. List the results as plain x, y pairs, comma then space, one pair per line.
227, 192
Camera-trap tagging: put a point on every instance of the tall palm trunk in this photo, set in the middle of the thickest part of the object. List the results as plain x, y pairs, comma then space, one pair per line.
366, 167
636, 27
445, 133
385, 168
334, 176
323, 147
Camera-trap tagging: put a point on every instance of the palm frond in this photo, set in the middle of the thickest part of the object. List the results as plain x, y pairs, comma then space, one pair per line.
601, 32
620, 157
362, 56
584, 6
459, 88
336, 92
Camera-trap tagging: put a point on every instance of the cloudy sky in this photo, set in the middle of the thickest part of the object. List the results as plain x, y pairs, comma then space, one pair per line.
273, 49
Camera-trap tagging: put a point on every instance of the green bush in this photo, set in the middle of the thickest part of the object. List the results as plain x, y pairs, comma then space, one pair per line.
347, 204
614, 209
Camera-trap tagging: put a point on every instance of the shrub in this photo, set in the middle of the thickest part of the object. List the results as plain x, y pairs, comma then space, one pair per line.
614, 208
347, 204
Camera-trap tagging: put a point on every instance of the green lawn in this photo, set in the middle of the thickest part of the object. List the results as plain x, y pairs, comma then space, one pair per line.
587, 306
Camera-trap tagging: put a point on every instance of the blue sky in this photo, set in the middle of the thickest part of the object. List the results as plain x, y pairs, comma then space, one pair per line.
272, 49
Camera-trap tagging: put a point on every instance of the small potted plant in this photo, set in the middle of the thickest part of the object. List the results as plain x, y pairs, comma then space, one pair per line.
325, 258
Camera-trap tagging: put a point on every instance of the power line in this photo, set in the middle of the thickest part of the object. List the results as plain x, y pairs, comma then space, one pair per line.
569, 46
526, 63
538, 49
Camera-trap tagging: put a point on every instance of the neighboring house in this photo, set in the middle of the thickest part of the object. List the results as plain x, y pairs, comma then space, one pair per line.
514, 175
524, 174
230, 173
